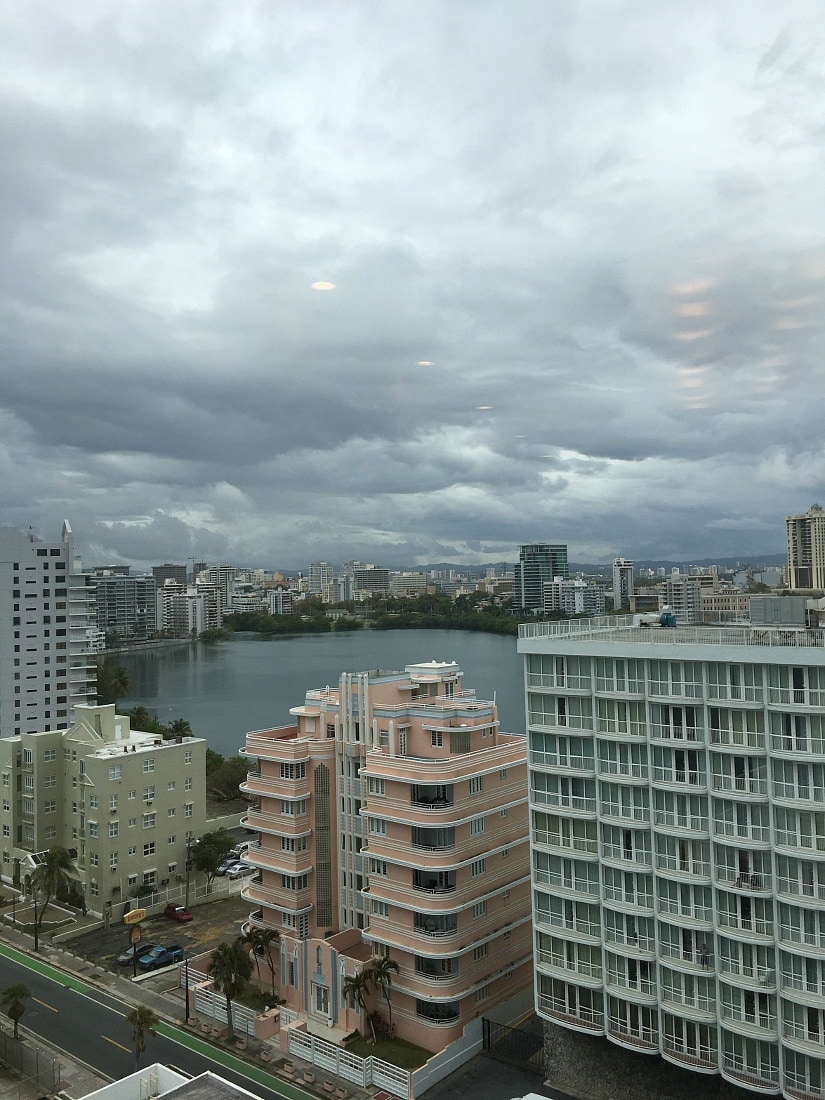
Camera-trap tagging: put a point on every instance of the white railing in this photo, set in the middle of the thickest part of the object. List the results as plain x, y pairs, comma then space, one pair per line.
580, 1017
619, 767
674, 820
760, 833
574, 844
364, 1072
750, 1075
739, 783
562, 760
622, 629
647, 1037
794, 886
560, 962
738, 738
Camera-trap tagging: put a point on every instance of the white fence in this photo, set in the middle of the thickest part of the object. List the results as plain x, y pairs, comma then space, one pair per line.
449, 1059
364, 1072
213, 1005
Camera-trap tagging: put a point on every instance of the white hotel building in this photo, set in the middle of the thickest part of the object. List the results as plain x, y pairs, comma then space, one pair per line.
677, 799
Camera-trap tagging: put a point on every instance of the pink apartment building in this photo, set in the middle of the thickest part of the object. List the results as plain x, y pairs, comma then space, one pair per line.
392, 820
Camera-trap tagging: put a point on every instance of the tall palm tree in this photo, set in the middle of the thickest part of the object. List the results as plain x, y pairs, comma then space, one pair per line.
230, 970
144, 1022
55, 873
268, 939
381, 969
357, 986
13, 998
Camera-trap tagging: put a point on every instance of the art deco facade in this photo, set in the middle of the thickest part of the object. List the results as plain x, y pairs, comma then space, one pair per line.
48, 633
391, 819
677, 797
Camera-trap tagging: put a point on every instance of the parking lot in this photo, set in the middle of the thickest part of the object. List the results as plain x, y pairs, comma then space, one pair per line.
213, 922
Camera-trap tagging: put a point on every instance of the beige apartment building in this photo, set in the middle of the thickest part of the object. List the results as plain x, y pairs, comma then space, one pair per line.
124, 800
392, 820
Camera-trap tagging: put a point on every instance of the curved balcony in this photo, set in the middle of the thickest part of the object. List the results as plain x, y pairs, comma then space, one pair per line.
754, 744
277, 824
627, 773
586, 1020
671, 779
801, 1038
741, 787
257, 786
739, 1073
797, 1087
639, 993
758, 835
700, 1059
749, 882
752, 1025
556, 966
644, 1040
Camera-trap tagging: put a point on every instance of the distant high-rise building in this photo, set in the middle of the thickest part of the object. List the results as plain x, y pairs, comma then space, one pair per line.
538, 563
622, 583
48, 633
185, 609
320, 580
806, 549
575, 597
169, 572
126, 605
370, 580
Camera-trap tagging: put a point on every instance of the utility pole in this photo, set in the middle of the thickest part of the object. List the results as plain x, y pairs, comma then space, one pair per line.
189, 839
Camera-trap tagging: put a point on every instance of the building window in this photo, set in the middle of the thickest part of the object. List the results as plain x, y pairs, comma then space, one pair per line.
116, 771
50, 832
149, 849
436, 739
378, 826
112, 802
50, 781
293, 771
49, 755
149, 821
476, 826
170, 812
480, 952
378, 867
477, 867
132, 795
132, 850
113, 828
293, 808
93, 888
149, 764
112, 861
480, 909
50, 807
483, 993
187, 756
476, 784
189, 809
93, 830
170, 786
149, 878
375, 786
380, 908
148, 794
187, 784
132, 822
92, 801
502, 773
172, 839
93, 861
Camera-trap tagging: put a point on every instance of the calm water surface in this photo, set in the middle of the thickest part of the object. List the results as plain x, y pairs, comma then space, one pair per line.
247, 683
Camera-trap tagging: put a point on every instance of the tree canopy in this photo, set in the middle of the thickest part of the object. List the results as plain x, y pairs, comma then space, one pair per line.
210, 852
13, 998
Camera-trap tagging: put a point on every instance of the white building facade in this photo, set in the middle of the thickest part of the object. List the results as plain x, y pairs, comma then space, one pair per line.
48, 633
677, 798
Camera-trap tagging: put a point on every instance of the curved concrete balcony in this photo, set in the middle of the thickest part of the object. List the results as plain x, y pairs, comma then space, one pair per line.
701, 1060
751, 1077
644, 1040
589, 1021
277, 824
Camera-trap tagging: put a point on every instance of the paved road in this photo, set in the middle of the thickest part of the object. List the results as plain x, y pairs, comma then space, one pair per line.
90, 1025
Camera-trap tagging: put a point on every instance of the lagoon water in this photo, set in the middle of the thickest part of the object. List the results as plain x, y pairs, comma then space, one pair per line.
225, 689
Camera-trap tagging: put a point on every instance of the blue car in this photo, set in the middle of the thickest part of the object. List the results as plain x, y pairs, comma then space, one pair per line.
160, 956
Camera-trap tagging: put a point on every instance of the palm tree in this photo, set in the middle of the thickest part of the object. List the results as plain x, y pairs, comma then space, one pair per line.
356, 986
267, 939
56, 872
180, 727
144, 1022
230, 970
13, 998
381, 969
112, 682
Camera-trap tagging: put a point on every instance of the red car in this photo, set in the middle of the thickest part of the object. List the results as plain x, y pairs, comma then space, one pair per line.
177, 912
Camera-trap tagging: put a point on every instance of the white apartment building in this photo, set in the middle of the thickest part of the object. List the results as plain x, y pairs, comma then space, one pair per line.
575, 597
48, 633
188, 608
124, 800
677, 797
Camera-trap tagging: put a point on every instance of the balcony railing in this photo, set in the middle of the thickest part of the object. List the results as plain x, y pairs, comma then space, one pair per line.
677, 776
794, 792
796, 888
623, 768
797, 935
563, 882
576, 966
673, 820
813, 746
759, 833
646, 1038
701, 1057
740, 739
739, 783
586, 1018
753, 1076
567, 802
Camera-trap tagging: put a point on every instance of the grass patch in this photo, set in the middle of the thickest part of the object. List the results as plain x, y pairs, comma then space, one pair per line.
396, 1051
257, 999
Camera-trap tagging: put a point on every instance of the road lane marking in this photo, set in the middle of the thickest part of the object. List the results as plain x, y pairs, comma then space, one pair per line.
50, 1007
116, 1044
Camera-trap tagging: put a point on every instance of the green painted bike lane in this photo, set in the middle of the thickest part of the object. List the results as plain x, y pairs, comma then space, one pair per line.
168, 1031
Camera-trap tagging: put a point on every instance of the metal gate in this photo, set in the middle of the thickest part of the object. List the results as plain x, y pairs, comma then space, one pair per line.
521, 1046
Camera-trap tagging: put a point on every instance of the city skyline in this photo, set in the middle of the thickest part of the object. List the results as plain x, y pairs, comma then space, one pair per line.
438, 279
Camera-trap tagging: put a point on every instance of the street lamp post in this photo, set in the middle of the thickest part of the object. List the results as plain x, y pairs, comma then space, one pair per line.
186, 984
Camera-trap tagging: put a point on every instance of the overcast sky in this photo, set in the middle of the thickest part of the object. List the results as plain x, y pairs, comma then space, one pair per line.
574, 260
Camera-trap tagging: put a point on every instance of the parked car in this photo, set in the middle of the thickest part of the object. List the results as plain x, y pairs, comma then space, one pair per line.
227, 863
239, 869
177, 912
160, 956
127, 958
